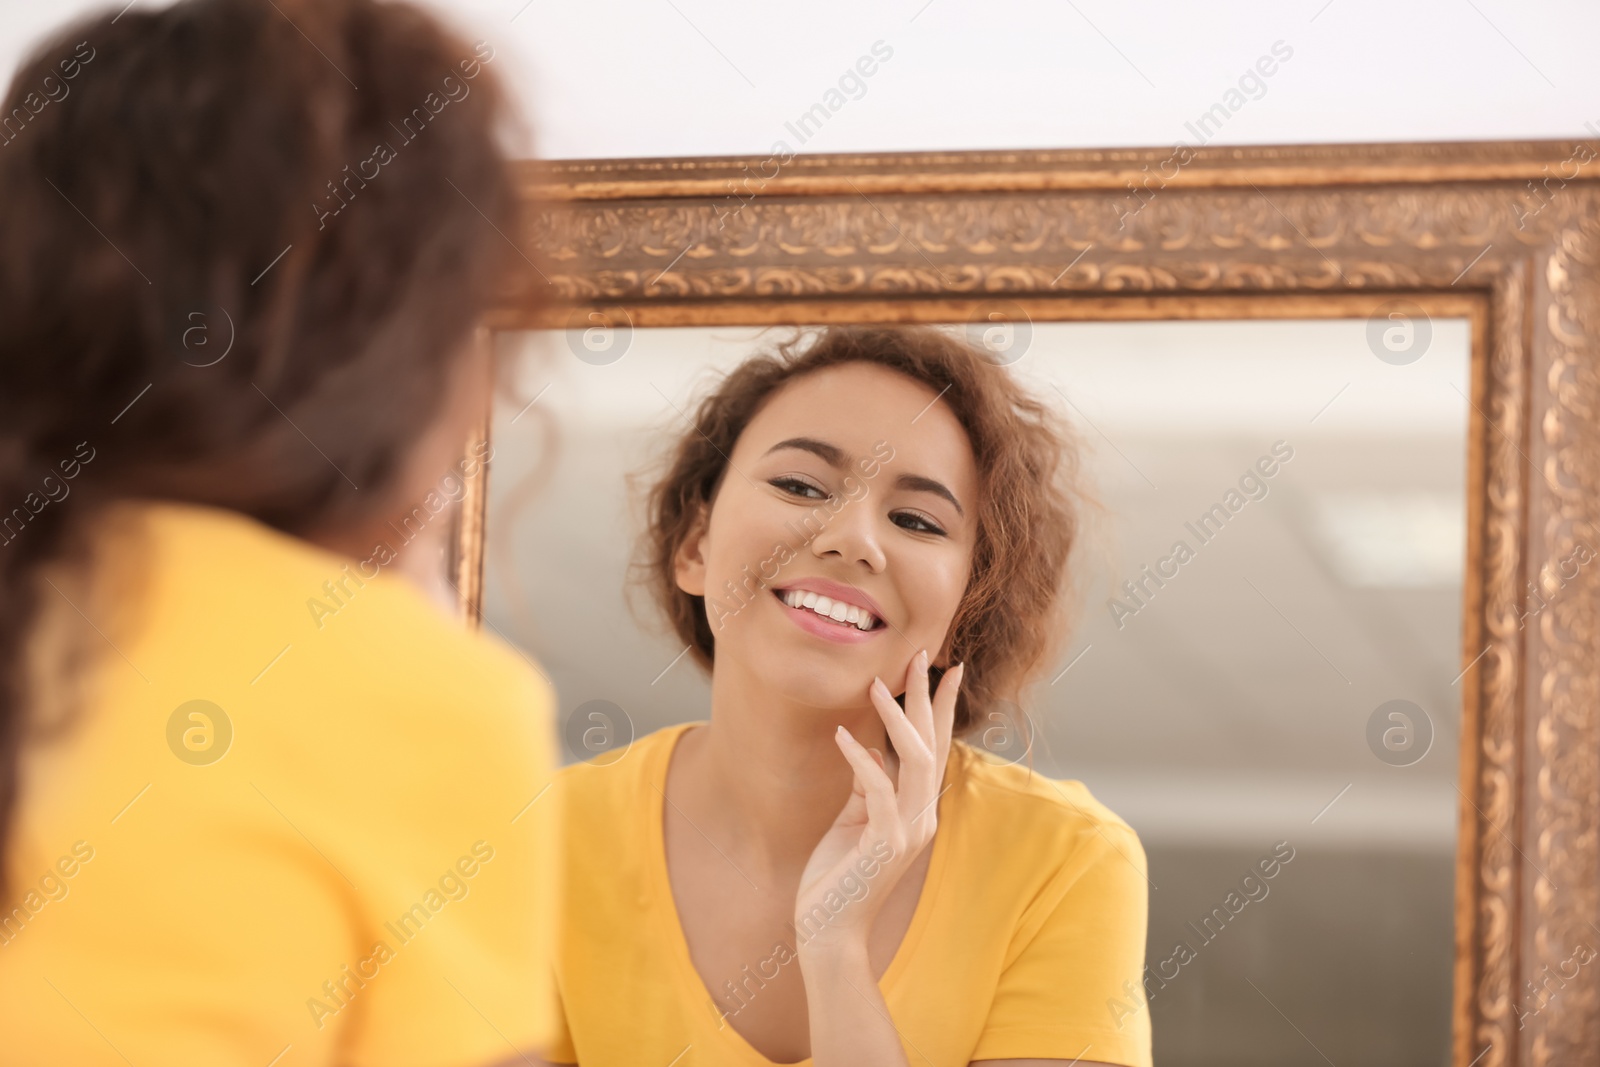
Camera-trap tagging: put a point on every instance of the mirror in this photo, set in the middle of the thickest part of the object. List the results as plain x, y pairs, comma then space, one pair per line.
1397, 238
1266, 669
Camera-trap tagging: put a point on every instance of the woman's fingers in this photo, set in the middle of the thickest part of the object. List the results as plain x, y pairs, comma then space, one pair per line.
917, 708
919, 771
907, 742
883, 814
944, 710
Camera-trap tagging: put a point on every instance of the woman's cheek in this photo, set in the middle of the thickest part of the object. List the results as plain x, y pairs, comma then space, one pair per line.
753, 545
940, 577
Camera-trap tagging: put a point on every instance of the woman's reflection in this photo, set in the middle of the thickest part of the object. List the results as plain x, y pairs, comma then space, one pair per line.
863, 538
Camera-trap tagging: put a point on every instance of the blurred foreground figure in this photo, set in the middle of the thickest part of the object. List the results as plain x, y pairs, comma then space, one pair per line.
262, 800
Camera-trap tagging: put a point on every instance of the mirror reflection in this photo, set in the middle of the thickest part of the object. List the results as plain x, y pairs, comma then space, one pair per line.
1264, 673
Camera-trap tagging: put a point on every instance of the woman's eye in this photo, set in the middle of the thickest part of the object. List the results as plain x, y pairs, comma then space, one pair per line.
917, 523
799, 488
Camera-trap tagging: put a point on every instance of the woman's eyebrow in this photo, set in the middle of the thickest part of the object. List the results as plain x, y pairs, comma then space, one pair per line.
835, 457
832, 455
919, 483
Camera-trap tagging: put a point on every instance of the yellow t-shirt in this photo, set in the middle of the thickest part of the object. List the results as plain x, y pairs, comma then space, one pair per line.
1028, 939
333, 859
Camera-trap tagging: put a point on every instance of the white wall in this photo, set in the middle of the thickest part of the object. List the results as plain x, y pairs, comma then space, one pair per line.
717, 77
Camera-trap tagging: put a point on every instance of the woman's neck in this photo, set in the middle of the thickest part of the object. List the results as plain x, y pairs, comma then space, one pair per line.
766, 778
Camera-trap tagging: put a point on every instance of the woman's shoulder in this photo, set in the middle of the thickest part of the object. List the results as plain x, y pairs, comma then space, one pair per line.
238, 573
306, 643
618, 778
607, 803
1018, 809
1024, 842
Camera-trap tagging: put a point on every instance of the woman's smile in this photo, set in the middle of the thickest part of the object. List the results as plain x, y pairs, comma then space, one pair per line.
831, 611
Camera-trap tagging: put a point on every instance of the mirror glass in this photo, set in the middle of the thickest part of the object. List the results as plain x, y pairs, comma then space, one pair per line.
1267, 662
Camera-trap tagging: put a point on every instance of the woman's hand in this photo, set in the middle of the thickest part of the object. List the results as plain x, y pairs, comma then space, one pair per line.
882, 829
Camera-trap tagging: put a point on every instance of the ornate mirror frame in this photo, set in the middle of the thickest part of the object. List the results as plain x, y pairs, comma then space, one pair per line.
1506, 235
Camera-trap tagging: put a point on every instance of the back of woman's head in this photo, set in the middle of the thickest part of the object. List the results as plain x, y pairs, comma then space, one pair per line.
241, 243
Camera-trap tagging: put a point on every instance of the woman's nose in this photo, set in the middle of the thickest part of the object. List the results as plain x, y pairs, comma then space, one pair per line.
852, 533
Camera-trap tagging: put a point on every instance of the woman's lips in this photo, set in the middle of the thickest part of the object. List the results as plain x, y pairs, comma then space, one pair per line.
811, 622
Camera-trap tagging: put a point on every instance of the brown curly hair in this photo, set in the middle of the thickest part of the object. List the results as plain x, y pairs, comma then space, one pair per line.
1013, 618
194, 170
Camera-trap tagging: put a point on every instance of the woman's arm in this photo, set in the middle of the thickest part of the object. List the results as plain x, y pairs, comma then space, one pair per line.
877, 837
850, 1022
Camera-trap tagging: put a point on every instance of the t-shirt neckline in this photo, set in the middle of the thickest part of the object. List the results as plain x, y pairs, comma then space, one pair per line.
655, 853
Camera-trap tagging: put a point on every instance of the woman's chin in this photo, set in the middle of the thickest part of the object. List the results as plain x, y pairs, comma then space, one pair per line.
818, 684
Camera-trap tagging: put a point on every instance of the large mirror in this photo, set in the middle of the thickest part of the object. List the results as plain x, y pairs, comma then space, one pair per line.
1335, 405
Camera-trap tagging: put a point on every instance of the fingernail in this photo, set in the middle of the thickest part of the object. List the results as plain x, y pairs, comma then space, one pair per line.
923, 656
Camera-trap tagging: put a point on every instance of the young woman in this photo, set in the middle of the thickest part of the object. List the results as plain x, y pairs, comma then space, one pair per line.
864, 540
261, 801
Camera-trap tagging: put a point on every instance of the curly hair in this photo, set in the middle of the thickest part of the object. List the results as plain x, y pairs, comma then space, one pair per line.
194, 170
1013, 618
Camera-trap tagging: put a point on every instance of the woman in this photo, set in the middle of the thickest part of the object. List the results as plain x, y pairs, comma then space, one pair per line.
263, 801
864, 541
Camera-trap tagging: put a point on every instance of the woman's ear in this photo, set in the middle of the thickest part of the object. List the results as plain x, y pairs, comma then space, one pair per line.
689, 563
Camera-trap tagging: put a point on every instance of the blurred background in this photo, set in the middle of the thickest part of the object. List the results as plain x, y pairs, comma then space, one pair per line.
1233, 709
1227, 713
717, 77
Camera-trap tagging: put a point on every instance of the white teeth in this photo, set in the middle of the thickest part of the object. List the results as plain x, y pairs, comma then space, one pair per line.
837, 610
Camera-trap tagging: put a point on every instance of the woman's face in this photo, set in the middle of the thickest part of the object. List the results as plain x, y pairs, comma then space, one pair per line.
853, 491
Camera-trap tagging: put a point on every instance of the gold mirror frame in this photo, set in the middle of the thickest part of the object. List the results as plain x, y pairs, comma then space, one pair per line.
1504, 234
